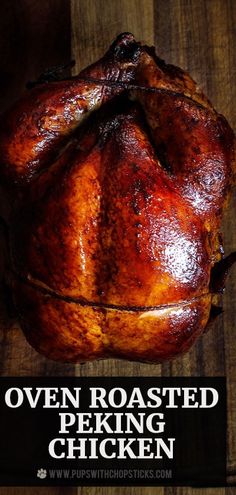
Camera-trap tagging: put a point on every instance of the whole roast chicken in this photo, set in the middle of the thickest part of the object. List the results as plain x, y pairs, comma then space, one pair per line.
116, 181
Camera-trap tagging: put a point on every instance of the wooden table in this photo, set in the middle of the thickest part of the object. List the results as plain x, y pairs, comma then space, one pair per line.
197, 35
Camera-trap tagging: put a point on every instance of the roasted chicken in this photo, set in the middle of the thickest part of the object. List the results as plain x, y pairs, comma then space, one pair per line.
117, 179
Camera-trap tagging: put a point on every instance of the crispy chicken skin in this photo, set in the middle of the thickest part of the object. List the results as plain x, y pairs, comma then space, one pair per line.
117, 180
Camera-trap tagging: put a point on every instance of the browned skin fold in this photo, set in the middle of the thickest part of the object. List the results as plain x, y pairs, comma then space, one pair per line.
115, 226
33, 131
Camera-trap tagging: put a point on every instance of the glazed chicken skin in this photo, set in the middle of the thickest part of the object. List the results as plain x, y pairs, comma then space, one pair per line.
117, 180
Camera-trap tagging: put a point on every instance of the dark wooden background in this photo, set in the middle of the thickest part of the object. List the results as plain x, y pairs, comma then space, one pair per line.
198, 35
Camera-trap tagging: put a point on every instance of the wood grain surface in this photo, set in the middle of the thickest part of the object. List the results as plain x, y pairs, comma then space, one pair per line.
199, 36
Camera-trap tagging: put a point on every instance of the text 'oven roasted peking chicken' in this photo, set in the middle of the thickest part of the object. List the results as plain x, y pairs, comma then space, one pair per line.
117, 179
